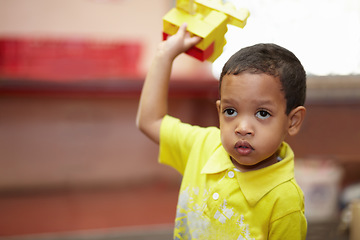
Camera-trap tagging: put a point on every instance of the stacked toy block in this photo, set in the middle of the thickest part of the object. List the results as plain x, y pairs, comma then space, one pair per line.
207, 19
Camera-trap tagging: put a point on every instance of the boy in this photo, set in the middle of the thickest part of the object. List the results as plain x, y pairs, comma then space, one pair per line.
238, 181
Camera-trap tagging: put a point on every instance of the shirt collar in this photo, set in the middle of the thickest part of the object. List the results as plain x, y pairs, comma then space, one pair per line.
218, 162
253, 183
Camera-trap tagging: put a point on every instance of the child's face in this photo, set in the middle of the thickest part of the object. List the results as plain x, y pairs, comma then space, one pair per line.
253, 122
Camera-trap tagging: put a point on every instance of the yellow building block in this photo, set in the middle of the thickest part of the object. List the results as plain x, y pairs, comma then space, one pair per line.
186, 5
236, 17
207, 19
219, 46
204, 27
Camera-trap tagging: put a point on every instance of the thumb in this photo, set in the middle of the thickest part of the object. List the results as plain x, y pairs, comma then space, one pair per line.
189, 41
194, 40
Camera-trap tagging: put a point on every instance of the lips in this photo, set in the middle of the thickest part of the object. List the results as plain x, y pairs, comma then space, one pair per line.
243, 148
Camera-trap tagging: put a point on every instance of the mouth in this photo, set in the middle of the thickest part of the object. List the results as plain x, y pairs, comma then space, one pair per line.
243, 148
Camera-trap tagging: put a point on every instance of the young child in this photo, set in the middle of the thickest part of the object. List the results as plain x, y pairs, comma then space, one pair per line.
238, 181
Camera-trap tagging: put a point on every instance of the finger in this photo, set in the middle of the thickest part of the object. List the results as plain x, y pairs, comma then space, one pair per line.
183, 27
193, 41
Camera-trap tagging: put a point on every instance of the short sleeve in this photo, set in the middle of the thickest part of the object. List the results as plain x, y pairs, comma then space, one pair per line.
292, 226
176, 142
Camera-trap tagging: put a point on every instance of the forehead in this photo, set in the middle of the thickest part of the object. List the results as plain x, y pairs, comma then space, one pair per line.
246, 86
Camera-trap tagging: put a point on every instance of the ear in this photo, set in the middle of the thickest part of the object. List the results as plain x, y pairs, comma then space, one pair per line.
296, 118
218, 106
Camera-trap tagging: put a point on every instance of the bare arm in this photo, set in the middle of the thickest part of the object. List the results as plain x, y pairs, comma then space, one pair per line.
153, 100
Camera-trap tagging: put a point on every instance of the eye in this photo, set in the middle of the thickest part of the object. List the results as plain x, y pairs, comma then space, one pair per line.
230, 112
262, 114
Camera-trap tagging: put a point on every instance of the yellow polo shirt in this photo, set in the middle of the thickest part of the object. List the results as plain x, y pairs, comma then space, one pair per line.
216, 201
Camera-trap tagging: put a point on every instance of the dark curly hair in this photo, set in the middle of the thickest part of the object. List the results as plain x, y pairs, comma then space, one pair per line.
273, 60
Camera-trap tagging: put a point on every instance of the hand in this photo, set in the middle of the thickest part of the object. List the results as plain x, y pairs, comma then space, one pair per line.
178, 43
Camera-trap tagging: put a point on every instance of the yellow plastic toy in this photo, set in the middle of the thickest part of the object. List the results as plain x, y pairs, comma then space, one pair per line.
207, 19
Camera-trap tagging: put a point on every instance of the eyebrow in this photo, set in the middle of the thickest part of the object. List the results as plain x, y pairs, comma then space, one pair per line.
257, 101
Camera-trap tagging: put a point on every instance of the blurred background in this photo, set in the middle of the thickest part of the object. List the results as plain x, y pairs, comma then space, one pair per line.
74, 166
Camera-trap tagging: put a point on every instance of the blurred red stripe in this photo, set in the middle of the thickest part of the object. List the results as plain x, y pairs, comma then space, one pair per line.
68, 60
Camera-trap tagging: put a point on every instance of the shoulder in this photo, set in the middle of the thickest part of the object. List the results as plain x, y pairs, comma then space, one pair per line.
174, 127
289, 198
288, 219
181, 143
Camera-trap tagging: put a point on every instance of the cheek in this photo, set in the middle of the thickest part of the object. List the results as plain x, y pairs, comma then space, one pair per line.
227, 138
226, 127
224, 133
272, 137
227, 143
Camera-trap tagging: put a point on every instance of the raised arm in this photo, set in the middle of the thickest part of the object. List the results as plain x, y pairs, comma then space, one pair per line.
153, 100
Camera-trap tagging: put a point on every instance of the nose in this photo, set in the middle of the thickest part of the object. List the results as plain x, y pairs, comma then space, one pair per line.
244, 128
